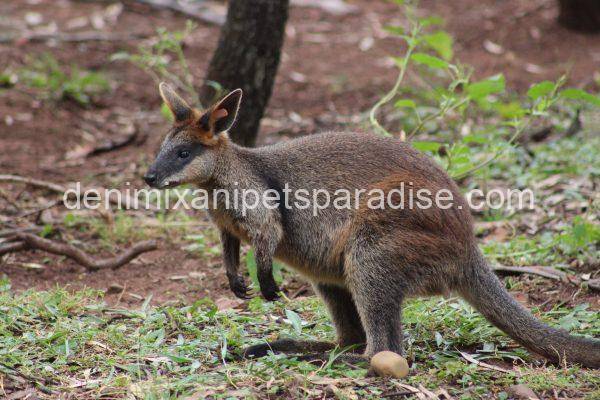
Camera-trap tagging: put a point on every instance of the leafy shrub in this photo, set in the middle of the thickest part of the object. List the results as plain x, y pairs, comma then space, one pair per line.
474, 121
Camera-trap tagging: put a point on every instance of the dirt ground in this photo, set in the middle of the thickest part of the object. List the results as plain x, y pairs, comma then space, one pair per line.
333, 68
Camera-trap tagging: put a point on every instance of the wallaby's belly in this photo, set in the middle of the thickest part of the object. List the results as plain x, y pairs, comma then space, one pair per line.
307, 244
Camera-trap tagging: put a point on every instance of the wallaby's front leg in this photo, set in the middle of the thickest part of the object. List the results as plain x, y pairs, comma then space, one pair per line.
231, 260
264, 248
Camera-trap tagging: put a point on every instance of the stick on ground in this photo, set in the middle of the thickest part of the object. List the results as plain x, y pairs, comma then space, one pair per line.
28, 241
198, 12
71, 37
546, 272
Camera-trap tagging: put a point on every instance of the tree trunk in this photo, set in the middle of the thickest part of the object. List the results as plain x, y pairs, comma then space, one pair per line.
247, 57
580, 15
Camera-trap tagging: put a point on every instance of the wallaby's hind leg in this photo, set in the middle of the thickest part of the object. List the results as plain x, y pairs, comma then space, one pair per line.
345, 317
378, 297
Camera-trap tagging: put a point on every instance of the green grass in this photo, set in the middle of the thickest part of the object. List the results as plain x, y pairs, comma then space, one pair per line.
73, 343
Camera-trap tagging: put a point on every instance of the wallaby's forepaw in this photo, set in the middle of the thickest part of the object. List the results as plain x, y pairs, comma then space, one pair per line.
239, 287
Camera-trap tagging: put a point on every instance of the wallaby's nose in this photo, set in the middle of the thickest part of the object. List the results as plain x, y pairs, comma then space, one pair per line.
150, 178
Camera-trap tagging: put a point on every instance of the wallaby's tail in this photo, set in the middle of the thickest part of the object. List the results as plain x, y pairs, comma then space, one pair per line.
487, 294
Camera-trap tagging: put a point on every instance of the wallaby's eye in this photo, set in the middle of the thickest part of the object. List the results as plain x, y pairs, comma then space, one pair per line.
184, 154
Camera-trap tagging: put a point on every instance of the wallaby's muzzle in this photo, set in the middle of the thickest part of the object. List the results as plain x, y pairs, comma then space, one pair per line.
150, 179
162, 175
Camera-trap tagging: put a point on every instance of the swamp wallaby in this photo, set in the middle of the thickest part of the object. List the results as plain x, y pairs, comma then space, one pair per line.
363, 261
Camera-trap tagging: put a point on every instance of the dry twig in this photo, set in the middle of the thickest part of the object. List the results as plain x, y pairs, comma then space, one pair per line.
482, 364
28, 241
91, 36
12, 247
546, 272
113, 144
200, 13
53, 187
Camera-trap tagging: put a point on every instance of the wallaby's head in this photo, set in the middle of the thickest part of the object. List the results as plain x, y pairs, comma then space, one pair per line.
191, 148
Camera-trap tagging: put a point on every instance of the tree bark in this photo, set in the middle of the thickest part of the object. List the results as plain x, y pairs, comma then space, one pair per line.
247, 57
580, 15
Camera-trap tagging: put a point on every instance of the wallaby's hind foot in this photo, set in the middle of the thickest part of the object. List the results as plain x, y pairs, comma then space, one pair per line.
306, 350
287, 346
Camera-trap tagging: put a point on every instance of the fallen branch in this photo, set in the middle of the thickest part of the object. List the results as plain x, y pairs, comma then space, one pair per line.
43, 208
12, 247
7, 233
421, 392
113, 144
33, 242
482, 364
334, 7
198, 12
53, 187
91, 36
546, 272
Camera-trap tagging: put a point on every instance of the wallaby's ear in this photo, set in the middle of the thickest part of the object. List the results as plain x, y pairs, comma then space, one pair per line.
221, 116
178, 106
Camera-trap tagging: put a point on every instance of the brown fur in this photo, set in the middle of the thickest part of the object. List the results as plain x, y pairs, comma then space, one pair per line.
363, 263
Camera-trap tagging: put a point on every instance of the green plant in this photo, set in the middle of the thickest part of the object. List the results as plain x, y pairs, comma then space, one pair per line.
164, 59
474, 121
46, 74
8, 79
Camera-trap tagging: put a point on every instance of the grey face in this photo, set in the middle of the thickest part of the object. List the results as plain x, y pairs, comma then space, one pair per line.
175, 154
186, 155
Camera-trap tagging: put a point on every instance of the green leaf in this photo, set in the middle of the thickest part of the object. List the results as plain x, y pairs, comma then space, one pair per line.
427, 146
442, 43
433, 20
578, 94
295, 320
8, 79
476, 138
430, 61
541, 89
177, 359
510, 110
394, 30
405, 103
47, 230
486, 87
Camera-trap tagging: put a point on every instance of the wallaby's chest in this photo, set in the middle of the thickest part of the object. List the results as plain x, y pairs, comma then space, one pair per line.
229, 222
